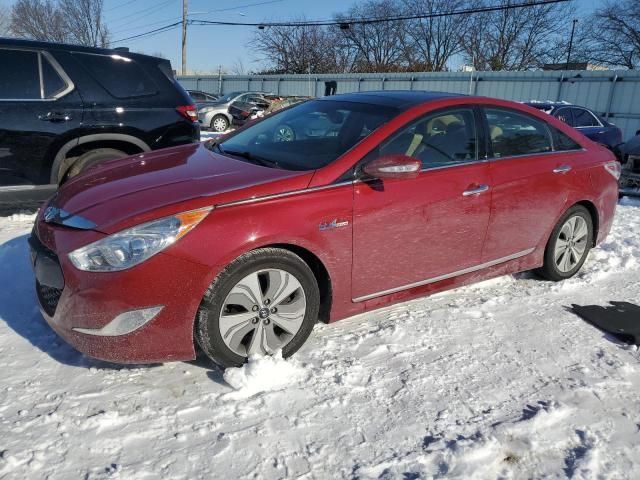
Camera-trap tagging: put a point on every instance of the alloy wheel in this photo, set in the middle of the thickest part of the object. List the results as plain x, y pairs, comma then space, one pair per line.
262, 312
284, 133
220, 124
571, 244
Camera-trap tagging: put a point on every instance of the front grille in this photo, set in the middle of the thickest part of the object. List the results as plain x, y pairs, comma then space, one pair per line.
48, 297
48, 272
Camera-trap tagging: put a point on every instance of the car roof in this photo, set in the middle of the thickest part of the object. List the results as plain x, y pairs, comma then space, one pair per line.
36, 44
548, 105
402, 99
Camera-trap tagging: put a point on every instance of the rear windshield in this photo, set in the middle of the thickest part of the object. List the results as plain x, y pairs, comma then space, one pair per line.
121, 76
307, 136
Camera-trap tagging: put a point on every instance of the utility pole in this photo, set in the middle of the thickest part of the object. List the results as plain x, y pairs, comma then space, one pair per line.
185, 7
573, 29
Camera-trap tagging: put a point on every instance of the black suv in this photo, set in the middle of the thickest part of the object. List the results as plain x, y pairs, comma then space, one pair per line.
65, 107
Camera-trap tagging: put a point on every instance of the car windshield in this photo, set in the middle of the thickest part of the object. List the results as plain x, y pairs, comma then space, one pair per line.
308, 136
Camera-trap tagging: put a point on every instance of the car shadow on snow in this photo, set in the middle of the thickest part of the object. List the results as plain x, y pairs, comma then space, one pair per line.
19, 308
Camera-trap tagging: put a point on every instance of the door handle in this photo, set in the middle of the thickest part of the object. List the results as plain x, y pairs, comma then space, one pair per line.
55, 117
562, 169
475, 191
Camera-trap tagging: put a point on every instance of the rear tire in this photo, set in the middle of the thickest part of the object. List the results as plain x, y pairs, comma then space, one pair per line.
91, 158
219, 123
569, 245
230, 324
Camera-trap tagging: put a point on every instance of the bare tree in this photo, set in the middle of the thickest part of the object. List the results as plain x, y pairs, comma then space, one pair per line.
376, 46
85, 22
513, 38
614, 32
4, 20
297, 49
67, 21
238, 67
38, 20
430, 43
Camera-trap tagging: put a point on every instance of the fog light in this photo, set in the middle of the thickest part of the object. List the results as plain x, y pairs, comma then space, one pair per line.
124, 323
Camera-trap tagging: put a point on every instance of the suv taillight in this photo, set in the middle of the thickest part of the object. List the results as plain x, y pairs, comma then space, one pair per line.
188, 111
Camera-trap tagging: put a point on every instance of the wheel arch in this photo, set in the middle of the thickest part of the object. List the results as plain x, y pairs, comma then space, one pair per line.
127, 143
320, 272
226, 115
595, 217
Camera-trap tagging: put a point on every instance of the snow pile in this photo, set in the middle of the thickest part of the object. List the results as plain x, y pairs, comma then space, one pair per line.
264, 374
21, 217
204, 136
493, 380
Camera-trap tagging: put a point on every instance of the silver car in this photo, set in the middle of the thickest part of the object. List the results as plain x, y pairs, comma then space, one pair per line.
216, 115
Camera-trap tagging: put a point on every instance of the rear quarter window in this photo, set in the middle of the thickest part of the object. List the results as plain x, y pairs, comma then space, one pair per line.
121, 76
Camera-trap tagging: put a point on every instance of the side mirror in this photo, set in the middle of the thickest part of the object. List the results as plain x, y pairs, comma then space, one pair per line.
393, 166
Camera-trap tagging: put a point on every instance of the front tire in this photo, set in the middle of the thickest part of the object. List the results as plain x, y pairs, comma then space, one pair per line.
265, 300
569, 245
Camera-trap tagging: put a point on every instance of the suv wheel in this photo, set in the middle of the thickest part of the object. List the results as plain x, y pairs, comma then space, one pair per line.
265, 300
93, 157
219, 123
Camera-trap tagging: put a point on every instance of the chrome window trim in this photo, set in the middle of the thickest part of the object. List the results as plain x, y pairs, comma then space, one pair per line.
600, 125
56, 66
284, 194
453, 165
446, 276
555, 152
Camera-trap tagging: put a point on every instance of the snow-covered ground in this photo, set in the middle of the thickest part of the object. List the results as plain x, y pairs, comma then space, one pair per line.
209, 134
495, 380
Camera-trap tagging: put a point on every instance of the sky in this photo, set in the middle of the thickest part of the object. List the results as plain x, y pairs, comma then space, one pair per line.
211, 47
208, 47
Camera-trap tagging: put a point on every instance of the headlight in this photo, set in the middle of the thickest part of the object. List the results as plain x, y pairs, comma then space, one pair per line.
206, 110
130, 247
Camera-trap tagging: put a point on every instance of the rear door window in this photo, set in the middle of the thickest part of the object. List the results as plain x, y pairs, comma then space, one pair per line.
565, 115
52, 82
514, 134
20, 78
121, 76
584, 118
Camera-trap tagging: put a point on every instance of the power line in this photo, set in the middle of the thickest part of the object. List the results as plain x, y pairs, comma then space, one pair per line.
351, 21
123, 4
142, 12
173, 19
150, 33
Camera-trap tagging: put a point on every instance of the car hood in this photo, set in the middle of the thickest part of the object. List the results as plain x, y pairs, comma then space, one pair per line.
128, 191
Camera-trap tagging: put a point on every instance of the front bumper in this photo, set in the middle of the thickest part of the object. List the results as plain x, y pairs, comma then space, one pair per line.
71, 299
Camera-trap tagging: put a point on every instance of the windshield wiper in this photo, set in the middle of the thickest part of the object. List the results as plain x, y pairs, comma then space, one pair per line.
251, 157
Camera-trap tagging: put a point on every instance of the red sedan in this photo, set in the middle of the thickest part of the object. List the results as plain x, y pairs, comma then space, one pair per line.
241, 246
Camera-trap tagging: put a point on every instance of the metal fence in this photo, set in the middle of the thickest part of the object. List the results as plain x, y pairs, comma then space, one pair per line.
613, 94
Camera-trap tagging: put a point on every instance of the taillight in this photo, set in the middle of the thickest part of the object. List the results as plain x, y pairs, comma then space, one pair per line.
614, 168
188, 111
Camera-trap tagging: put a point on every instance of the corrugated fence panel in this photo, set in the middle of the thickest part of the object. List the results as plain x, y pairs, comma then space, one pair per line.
619, 98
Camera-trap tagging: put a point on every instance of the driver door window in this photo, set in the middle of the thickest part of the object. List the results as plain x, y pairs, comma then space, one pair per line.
438, 140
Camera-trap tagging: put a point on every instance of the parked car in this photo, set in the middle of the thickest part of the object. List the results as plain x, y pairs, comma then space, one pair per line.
200, 96
241, 246
217, 117
64, 108
241, 112
584, 120
630, 158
